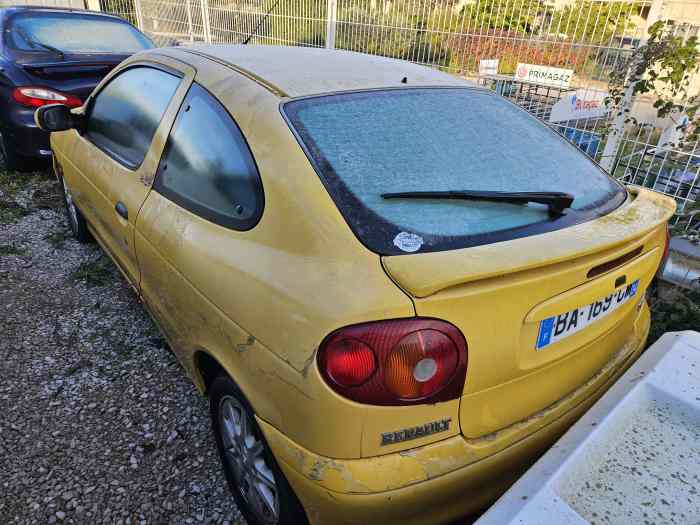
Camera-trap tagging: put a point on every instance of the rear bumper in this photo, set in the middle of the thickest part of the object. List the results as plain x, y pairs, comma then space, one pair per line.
440, 482
23, 135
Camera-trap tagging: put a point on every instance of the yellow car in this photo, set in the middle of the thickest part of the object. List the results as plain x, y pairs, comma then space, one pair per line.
395, 287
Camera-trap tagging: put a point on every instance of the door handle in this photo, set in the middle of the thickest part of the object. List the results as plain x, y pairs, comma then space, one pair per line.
121, 209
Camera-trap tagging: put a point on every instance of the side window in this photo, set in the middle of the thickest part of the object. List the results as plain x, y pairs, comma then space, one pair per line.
207, 166
126, 112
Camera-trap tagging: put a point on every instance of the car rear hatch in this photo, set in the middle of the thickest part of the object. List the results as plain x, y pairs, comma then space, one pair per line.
490, 220
509, 298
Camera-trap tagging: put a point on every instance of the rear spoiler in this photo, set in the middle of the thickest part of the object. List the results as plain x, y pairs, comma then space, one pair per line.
424, 274
69, 64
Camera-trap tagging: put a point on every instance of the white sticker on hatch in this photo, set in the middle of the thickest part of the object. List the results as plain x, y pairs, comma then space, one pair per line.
408, 242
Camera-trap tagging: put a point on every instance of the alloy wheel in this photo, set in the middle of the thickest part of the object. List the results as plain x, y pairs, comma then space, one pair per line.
245, 455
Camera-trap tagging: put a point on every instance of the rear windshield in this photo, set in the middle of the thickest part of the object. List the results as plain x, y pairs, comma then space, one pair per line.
364, 144
73, 33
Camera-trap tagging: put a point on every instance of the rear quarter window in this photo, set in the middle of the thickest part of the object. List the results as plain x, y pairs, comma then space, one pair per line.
364, 144
207, 166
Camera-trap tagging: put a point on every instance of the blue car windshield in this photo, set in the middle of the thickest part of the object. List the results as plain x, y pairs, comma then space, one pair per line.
73, 33
365, 144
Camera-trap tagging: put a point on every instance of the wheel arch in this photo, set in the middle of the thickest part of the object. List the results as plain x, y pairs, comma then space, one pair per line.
206, 368
205, 364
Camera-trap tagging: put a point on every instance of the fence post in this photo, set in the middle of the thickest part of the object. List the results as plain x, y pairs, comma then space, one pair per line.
205, 20
618, 125
139, 15
332, 15
190, 31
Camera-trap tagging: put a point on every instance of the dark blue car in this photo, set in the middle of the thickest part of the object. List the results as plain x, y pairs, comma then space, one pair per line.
50, 56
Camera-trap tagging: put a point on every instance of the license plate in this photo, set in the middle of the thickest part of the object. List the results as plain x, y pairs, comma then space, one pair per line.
561, 326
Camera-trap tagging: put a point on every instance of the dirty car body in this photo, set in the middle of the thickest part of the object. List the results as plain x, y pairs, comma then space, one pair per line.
50, 55
404, 358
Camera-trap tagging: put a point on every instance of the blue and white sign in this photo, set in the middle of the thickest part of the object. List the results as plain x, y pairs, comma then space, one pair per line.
579, 104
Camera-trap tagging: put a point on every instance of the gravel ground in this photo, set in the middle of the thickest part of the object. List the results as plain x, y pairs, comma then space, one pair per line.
99, 422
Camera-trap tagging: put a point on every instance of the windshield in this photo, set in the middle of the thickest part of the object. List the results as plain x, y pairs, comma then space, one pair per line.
73, 33
365, 144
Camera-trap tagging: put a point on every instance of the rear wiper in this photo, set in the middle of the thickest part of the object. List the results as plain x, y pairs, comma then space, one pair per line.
35, 43
556, 201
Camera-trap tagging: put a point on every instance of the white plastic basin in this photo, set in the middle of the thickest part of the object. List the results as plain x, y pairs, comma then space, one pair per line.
634, 457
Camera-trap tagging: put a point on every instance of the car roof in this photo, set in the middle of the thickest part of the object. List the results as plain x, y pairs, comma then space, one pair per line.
301, 71
51, 9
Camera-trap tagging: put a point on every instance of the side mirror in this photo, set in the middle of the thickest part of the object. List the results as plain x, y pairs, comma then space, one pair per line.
54, 117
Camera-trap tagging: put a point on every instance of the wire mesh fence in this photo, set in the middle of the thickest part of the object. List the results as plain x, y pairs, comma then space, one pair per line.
123, 8
168, 22
646, 161
552, 57
589, 36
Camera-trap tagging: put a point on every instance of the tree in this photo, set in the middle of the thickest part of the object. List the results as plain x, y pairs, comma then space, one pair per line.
602, 21
662, 67
505, 15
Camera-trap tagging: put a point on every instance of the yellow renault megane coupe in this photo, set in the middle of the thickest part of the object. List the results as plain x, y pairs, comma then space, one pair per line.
396, 288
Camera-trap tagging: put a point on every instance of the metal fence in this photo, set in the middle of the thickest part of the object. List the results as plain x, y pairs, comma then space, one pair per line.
668, 169
589, 38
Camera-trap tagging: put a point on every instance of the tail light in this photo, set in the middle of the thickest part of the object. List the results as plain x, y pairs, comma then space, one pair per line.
35, 97
395, 362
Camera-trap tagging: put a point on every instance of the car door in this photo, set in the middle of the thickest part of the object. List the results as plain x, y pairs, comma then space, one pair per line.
206, 198
126, 123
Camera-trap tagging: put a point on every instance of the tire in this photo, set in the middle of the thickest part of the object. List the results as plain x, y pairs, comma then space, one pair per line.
9, 160
76, 221
269, 500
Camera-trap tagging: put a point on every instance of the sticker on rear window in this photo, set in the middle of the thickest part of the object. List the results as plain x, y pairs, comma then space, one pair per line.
408, 242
